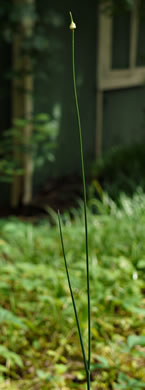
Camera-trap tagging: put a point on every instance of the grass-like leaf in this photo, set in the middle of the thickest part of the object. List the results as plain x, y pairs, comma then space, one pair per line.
84, 190
86, 363
72, 296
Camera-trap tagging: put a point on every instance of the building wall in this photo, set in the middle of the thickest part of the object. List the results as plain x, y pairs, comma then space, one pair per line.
5, 109
123, 117
123, 110
57, 91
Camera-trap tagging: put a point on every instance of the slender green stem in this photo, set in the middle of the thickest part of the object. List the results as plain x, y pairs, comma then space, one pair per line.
88, 381
73, 300
85, 200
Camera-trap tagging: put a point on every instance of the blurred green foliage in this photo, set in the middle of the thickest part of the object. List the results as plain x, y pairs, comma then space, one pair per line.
39, 341
40, 145
13, 16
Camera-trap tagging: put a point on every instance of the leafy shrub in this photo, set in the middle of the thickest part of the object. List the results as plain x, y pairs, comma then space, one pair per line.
40, 147
122, 170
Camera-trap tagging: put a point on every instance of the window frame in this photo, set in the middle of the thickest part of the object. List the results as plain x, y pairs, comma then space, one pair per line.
109, 78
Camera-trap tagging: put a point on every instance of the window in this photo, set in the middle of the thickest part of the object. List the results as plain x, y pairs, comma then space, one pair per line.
121, 40
121, 55
121, 62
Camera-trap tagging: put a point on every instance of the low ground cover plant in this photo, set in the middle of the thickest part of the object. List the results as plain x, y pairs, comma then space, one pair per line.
38, 339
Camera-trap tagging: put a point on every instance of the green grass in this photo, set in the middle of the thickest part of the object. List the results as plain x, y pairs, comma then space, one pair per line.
38, 340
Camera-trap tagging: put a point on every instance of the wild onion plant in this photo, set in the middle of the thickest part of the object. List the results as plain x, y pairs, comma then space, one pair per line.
86, 358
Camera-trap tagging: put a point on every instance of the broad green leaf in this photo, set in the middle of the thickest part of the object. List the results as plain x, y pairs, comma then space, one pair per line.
61, 368
44, 375
134, 340
103, 363
13, 357
141, 264
10, 318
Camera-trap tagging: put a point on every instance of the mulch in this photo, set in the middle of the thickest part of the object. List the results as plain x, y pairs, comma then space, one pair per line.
57, 194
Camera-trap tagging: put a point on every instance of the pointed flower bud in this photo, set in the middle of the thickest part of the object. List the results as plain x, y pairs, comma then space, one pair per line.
72, 25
